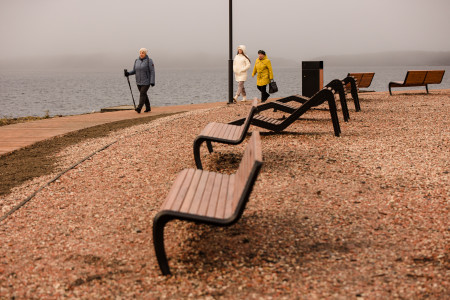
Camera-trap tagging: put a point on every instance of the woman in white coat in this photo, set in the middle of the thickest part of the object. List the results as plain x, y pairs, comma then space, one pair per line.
241, 64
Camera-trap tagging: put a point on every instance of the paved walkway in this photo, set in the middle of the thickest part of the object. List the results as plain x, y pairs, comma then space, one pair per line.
16, 136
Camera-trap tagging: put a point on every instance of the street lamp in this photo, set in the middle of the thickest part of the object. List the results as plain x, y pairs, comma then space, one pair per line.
230, 58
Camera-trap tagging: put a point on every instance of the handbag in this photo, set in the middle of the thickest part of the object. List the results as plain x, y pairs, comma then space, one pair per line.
273, 88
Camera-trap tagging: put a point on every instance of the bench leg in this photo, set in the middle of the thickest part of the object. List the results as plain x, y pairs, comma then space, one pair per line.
353, 91
209, 145
158, 243
197, 144
426, 86
344, 108
356, 101
334, 116
390, 92
338, 87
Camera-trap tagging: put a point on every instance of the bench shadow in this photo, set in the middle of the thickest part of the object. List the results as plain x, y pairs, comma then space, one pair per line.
226, 159
412, 94
256, 241
292, 133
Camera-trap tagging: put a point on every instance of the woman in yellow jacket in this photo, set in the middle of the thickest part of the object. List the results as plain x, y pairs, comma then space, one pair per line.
263, 67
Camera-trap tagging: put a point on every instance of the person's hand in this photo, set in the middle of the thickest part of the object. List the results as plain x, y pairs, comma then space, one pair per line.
126, 73
152, 84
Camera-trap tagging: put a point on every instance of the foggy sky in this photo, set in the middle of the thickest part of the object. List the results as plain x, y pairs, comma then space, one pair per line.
291, 29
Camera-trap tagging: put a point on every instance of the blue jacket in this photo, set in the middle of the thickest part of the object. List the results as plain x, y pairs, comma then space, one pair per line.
144, 70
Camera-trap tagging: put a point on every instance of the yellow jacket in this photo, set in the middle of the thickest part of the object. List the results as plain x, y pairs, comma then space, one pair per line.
264, 69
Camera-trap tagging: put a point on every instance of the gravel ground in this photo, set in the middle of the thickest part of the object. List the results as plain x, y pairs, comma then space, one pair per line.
365, 215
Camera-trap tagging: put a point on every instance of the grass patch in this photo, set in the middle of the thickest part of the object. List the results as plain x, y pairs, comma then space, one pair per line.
10, 121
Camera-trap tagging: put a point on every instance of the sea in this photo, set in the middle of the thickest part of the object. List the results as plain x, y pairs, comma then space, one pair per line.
70, 92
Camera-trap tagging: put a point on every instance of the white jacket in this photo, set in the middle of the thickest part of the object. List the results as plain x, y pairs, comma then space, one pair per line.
241, 65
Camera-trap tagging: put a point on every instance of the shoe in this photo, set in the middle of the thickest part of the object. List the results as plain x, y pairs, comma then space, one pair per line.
138, 110
147, 110
244, 99
235, 98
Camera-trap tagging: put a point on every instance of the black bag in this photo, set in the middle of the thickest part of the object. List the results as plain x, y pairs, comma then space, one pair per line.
273, 88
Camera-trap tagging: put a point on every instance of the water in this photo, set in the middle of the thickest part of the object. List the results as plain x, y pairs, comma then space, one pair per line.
37, 92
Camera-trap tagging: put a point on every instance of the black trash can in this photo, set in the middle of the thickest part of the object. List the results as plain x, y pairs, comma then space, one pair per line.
312, 77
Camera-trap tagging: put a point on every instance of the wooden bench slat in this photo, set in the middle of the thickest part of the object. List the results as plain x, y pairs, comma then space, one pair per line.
216, 128
222, 131
434, 77
415, 77
174, 189
187, 199
251, 154
267, 119
208, 128
236, 132
175, 202
365, 82
203, 208
223, 196
240, 132
178, 200
229, 208
201, 188
228, 129
214, 196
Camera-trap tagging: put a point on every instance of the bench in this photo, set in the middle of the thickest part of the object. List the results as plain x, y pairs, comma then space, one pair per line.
222, 133
419, 78
338, 87
206, 197
322, 96
363, 80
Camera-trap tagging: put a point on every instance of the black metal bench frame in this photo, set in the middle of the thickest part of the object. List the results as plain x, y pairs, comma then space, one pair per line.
324, 95
353, 90
339, 87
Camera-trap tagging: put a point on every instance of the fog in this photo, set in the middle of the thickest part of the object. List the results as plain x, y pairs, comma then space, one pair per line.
186, 33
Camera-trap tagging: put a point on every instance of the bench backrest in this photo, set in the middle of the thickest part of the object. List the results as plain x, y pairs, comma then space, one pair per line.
434, 77
423, 77
366, 80
357, 76
415, 77
363, 80
246, 174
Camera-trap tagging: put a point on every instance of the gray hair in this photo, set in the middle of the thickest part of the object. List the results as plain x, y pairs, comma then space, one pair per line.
143, 50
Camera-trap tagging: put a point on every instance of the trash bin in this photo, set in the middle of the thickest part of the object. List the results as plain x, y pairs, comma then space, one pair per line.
312, 77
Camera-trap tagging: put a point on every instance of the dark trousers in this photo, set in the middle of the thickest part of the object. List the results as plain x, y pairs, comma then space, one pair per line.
264, 95
143, 97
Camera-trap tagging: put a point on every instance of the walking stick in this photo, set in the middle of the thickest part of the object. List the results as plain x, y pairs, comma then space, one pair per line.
125, 71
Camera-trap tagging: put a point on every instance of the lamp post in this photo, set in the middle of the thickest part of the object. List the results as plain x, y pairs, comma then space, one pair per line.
230, 58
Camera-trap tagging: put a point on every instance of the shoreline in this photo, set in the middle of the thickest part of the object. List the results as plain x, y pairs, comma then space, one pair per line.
122, 107
36, 129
